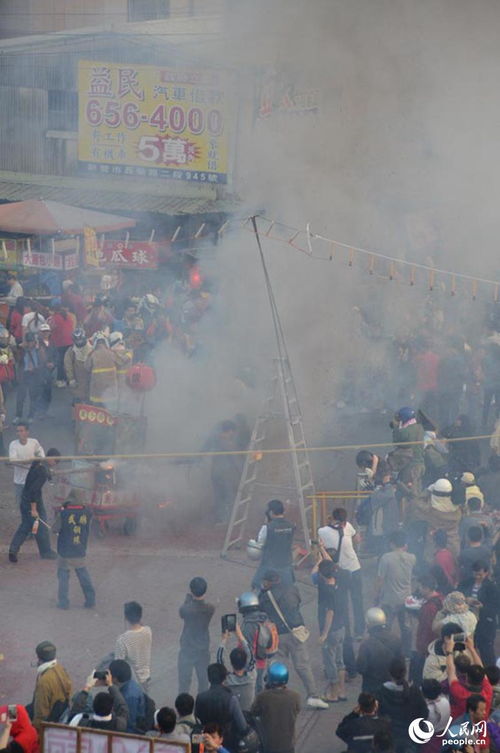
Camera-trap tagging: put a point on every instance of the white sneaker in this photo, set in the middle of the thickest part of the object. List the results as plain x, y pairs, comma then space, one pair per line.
60, 383
316, 703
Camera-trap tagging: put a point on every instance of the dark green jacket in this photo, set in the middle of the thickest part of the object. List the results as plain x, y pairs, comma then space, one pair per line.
412, 433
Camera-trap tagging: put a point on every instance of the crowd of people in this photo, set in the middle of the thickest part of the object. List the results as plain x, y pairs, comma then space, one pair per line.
416, 628
438, 668
87, 341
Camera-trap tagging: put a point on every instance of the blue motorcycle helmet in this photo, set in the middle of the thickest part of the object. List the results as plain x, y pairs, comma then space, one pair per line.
277, 674
406, 414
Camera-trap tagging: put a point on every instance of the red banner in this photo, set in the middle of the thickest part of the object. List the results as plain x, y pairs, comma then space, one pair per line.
92, 414
135, 255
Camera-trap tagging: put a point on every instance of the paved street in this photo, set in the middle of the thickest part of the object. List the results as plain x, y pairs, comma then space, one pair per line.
152, 567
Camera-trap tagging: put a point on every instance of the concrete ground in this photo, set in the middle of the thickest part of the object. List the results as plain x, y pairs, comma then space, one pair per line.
152, 567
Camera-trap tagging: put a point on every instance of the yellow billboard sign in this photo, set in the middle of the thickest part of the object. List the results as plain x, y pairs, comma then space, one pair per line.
151, 121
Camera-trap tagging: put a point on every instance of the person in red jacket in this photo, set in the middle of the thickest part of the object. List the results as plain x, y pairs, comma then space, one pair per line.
444, 559
433, 602
21, 733
62, 324
476, 682
16, 319
72, 299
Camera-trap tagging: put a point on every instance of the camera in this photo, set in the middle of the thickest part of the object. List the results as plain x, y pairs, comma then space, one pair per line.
12, 713
100, 674
228, 623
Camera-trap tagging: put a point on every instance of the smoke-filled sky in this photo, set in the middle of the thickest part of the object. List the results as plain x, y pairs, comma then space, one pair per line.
401, 158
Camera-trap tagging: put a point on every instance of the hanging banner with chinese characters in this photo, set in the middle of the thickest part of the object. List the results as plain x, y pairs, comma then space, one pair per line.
153, 122
133, 255
43, 260
91, 247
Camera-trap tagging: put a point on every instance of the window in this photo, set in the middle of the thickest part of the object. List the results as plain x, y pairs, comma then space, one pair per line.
148, 10
63, 110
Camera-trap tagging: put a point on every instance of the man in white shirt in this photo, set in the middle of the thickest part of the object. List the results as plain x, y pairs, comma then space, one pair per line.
15, 289
32, 321
22, 451
339, 533
135, 644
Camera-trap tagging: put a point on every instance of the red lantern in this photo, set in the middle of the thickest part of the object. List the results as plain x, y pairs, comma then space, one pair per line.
195, 278
141, 377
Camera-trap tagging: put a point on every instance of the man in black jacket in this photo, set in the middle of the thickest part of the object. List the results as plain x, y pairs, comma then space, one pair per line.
377, 651
358, 728
33, 513
110, 709
276, 539
194, 650
480, 587
73, 526
218, 704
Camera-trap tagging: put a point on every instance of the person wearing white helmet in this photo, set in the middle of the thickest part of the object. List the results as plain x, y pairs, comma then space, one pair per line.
123, 357
48, 357
102, 365
376, 651
74, 366
437, 510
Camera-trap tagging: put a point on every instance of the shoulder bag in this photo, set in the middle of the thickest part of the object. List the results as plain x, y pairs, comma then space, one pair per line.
301, 632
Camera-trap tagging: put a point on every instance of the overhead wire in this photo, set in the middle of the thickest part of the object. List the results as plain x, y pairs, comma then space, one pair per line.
272, 451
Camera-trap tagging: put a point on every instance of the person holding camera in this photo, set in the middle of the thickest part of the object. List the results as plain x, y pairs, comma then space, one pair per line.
18, 735
109, 708
276, 539
339, 538
435, 663
242, 676
194, 650
475, 683
481, 590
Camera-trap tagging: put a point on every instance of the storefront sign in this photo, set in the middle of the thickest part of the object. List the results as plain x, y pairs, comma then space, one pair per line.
133, 255
67, 245
148, 121
42, 260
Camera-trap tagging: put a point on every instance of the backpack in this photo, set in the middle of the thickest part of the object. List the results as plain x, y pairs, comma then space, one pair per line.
148, 720
251, 742
196, 736
267, 640
58, 711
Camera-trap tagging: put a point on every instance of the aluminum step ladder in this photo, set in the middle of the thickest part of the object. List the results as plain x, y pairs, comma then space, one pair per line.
281, 405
